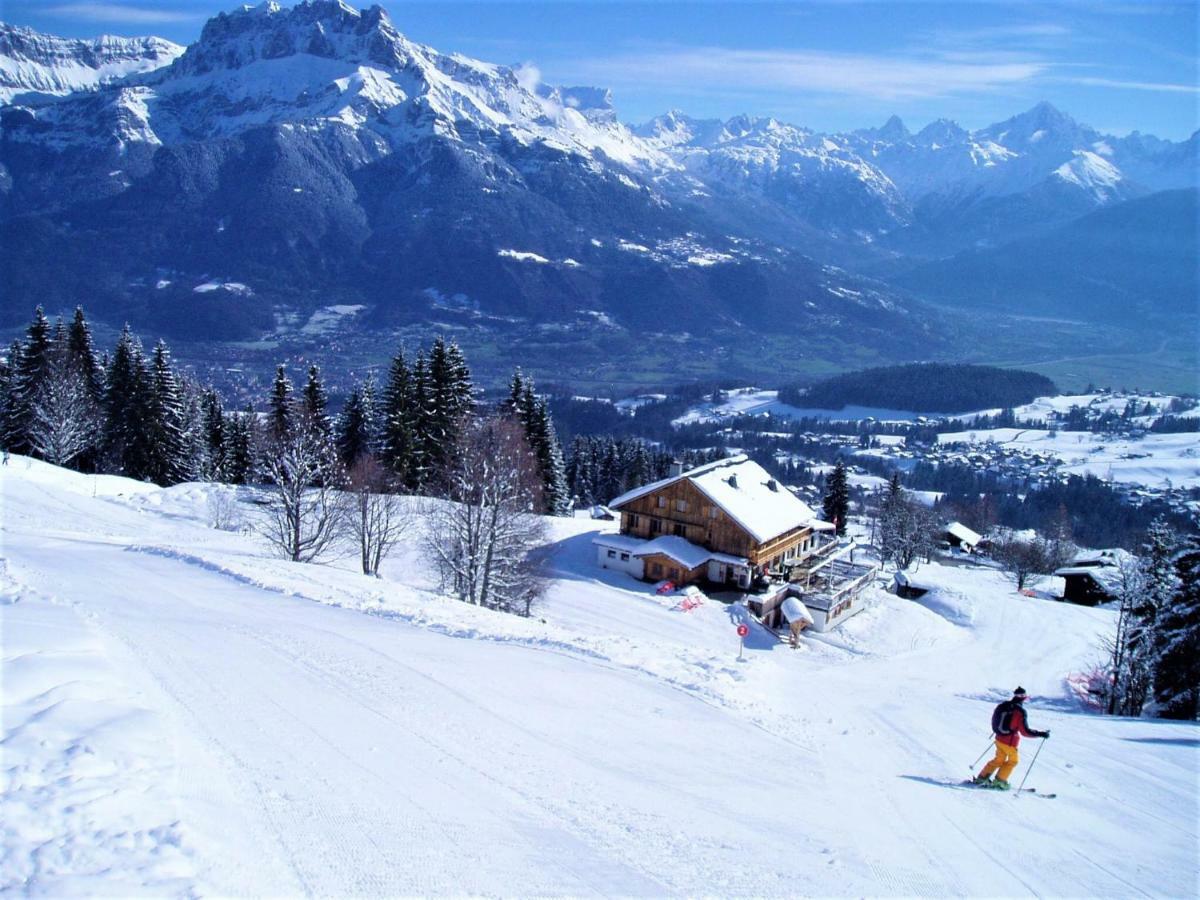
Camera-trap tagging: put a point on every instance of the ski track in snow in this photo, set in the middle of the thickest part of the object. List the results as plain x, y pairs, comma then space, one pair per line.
210, 720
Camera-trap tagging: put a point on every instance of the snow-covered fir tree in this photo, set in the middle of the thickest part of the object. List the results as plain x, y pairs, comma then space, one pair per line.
216, 438
280, 404
239, 441
836, 505
29, 369
1177, 670
126, 407
400, 415
448, 402
356, 426
315, 400
165, 423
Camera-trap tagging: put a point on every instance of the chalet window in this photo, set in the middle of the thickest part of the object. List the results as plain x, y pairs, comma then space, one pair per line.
655, 526
661, 502
673, 574
635, 522
656, 570
680, 529
624, 557
612, 554
681, 505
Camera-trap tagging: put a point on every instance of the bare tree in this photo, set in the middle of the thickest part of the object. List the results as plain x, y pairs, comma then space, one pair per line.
223, 511
1129, 655
65, 418
379, 517
1021, 560
482, 537
306, 511
906, 527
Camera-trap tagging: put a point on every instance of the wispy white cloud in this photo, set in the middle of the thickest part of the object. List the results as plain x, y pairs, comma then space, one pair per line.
120, 12
852, 75
1003, 33
1164, 87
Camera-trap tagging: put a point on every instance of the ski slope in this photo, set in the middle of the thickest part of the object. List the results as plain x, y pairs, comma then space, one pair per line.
185, 714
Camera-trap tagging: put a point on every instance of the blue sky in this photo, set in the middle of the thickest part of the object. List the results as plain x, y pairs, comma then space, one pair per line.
1119, 65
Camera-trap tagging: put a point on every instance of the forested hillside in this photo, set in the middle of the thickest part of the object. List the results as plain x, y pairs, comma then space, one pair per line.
924, 387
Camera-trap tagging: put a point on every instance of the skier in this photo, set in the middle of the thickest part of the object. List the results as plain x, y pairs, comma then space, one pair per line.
1008, 724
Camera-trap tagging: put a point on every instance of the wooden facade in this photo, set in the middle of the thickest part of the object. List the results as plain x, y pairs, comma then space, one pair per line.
659, 566
681, 509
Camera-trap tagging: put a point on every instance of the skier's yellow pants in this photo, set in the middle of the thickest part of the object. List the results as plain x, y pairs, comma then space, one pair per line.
1006, 760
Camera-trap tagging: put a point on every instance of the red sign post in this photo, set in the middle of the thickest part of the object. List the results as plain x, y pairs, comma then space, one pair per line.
742, 630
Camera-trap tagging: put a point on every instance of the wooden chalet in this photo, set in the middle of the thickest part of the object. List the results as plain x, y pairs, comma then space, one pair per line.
726, 523
1093, 577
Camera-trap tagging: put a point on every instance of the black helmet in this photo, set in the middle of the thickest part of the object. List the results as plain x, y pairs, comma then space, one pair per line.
1019, 695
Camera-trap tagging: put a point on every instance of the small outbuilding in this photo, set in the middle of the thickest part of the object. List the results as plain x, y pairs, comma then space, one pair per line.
908, 587
960, 537
1093, 576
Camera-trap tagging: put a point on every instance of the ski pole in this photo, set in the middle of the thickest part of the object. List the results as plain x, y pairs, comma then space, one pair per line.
982, 755
1031, 765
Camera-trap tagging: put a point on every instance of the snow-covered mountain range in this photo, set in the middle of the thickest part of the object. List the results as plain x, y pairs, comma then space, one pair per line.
314, 154
36, 63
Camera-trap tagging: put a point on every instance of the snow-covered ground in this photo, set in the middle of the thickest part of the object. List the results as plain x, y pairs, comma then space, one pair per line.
1153, 460
185, 714
750, 401
1096, 403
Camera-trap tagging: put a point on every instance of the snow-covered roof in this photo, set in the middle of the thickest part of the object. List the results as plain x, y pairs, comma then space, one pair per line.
904, 579
793, 610
745, 492
1095, 558
679, 549
1108, 578
963, 533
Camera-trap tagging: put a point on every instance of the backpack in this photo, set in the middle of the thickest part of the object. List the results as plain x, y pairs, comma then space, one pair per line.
1002, 717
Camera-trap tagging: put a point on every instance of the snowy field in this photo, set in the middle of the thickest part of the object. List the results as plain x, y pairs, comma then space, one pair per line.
750, 401
1153, 460
754, 402
185, 715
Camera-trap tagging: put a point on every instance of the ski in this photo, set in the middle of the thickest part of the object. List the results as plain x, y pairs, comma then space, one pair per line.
1029, 790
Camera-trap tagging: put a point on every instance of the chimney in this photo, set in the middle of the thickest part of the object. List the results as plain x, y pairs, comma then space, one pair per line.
676, 468
732, 479
772, 484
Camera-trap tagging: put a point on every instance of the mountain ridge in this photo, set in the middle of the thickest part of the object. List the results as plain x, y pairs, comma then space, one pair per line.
314, 155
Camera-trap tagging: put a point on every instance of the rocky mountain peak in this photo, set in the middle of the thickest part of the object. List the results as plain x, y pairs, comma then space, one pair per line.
942, 132
891, 131
326, 28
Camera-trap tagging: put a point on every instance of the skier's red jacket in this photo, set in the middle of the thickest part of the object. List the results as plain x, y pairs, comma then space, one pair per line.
1009, 723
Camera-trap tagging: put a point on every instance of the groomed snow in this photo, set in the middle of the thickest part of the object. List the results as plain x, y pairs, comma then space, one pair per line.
185, 714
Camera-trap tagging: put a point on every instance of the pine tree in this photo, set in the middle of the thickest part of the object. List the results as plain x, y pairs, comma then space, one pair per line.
423, 463
1177, 675
449, 401
836, 505
82, 354
165, 421
372, 421
8, 404
315, 399
29, 371
354, 428
399, 415
280, 403
239, 461
215, 436
126, 410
